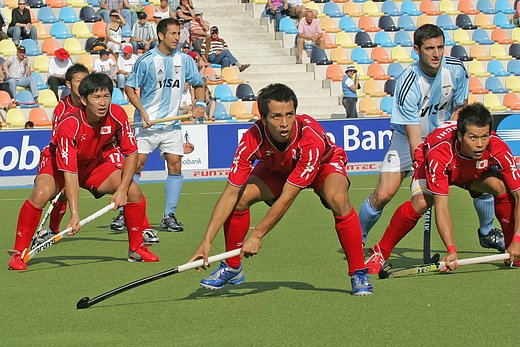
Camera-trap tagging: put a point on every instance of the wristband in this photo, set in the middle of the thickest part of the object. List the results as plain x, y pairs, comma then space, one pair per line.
200, 103
452, 249
516, 238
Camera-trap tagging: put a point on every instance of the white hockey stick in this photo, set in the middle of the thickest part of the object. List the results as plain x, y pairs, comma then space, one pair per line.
163, 120
45, 217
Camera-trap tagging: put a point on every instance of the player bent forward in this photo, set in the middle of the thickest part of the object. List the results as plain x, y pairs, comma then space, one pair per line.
76, 160
468, 154
293, 153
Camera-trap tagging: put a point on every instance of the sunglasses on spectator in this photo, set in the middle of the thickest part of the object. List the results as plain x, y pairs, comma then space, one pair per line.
21, 3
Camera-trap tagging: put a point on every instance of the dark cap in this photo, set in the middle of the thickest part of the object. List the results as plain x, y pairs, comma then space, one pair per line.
21, 49
142, 15
104, 51
213, 30
185, 45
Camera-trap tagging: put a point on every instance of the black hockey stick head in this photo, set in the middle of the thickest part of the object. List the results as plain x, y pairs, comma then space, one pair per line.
385, 271
83, 303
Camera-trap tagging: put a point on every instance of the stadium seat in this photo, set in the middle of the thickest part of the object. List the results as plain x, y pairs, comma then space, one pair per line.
239, 111
476, 87
515, 35
332, 10
25, 99
380, 55
360, 56
287, 26
35, 3
39, 81
255, 111
50, 45
483, 21
415, 56
492, 102
126, 31
494, 85
477, 69
47, 98
11, 4
34, 16
46, 15
428, 7
313, 6
481, 36
386, 23
150, 10
77, 3
60, 31
461, 36
448, 41
480, 53
497, 51
376, 72
382, 39
339, 56
319, 57
406, 22
390, 9
370, 9
395, 70
504, 6
5, 99
386, 104
368, 107
31, 47
329, 25
408, 7
351, 9
501, 21
424, 19
73, 46
500, 35
87, 60
400, 55
513, 84
448, 7
371, 88
468, 7
15, 118
362, 39
56, 3
93, 3
211, 76
41, 63
39, 117
473, 98
344, 40
130, 111
512, 101
89, 15
362, 75
41, 30
80, 30
347, 24
118, 98
403, 39
68, 15
514, 50
367, 24
460, 53
223, 93
220, 112
329, 44
463, 21
485, 6
245, 92
389, 87
513, 67
99, 29
230, 75
444, 22
334, 73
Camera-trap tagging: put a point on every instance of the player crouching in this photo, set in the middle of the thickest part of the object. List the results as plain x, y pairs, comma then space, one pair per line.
76, 160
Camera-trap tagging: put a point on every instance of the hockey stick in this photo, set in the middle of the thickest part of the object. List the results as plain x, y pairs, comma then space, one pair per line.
86, 302
163, 120
435, 267
427, 237
26, 256
45, 217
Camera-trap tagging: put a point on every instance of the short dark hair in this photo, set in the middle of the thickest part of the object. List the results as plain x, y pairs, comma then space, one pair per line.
94, 82
74, 69
277, 92
142, 15
162, 27
425, 32
474, 114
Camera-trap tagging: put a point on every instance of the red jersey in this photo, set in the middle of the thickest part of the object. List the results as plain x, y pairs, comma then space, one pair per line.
64, 108
299, 161
445, 166
79, 145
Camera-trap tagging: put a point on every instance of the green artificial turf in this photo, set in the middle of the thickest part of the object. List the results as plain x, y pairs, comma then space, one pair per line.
296, 292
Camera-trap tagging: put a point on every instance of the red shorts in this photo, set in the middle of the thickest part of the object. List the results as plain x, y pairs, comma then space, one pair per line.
90, 177
112, 154
275, 180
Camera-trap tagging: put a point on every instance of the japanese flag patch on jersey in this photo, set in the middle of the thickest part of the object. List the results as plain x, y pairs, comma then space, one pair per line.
106, 130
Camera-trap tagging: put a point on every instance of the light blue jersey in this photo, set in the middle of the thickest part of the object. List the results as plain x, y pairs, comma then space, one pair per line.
161, 79
426, 101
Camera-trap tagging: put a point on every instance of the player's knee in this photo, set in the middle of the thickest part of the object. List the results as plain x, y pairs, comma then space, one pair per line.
39, 198
381, 197
134, 193
339, 204
421, 203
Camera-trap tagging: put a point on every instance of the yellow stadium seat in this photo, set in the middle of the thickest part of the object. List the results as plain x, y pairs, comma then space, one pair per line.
7, 14
492, 102
479, 52
313, 6
238, 110
47, 98
371, 88
497, 51
87, 60
344, 40
477, 69
261, 2
11, 3
329, 25
483, 21
461, 36
339, 56
130, 111
80, 30
41, 30
351, 9
361, 72
515, 35
424, 19
513, 84
77, 3
370, 9
73, 46
472, 98
230, 75
41, 63
7, 48
369, 108
400, 55
15, 118
39, 117
448, 7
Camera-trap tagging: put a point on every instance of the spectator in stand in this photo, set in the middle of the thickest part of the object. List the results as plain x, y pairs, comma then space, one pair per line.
198, 59
21, 26
156, 19
309, 33
105, 64
516, 16
184, 34
3, 80
350, 86
114, 33
275, 10
144, 35
296, 9
125, 64
164, 10
18, 73
135, 7
29, 125
3, 22
216, 51
185, 11
199, 31
108, 5
57, 68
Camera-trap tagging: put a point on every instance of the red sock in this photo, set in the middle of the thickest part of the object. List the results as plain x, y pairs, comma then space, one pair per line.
57, 215
146, 224
349, 234
404, 219
235, 230
28, 221
504, 211
134, 216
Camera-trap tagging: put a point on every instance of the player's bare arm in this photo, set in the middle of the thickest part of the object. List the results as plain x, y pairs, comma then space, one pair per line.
445, 227
200, 94
413, 132
72, 191
134, 99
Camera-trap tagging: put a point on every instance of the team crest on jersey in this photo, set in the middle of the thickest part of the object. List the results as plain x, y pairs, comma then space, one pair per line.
482, 164
446, 90
160, 72
106, 130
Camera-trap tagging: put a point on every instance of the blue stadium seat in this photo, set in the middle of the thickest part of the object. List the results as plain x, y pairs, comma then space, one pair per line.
39, 81
390, 9
118, 98
448, 41
126, 31
386, 23
463, 21
220, 111
444, 22
364, 40
514, 50
386, 104
360, 56
319, 57
408, 7
95, 3
460, 53
59, 30
31, 47
332, 10
485, 6
389, 87
496, 68
383, 39
245, 93
395, 70
501, 21
25, 99
46, 15
89, 15
405, 22
223, 93
481, 36
287, 26
494, 85
347, 24
414, 55
402, 38
513, 67
35, 3
68, 15
504, 6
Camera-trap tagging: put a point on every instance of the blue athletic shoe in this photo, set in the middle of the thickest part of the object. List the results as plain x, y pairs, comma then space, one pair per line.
495, 240
361, 284
222, 275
